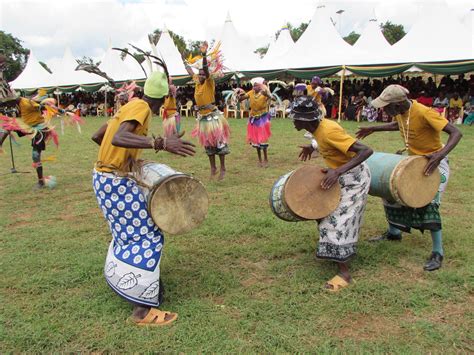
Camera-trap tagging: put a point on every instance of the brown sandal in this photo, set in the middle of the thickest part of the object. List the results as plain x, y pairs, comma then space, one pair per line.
156, 317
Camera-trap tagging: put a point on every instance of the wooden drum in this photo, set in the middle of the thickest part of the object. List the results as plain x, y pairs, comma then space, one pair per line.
298, 196
400, 179
177, 202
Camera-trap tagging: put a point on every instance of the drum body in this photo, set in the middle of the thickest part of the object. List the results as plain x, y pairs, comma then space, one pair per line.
177, 202
298, 196
398, 178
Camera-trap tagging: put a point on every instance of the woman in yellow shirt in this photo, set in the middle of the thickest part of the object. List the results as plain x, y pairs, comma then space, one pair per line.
171, 117
258, 127
345, 158
212, 128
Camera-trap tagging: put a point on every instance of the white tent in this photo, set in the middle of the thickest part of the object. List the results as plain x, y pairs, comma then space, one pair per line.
65, 73
282, 45
167, 50
119, 69
238, 54
437, 36
373, 43
33, 76
320, 45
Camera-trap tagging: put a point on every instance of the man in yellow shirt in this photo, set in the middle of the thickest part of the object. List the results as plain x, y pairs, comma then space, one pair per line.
454, 109
32, 124
420, 128
345, 158
212, 128
132, 267
259, 126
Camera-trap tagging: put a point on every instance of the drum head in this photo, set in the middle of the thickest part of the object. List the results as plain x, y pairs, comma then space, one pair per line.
305, 197
412, 186
178, 204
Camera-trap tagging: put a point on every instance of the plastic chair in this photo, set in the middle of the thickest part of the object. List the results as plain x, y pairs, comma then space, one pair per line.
231, 110
186, 109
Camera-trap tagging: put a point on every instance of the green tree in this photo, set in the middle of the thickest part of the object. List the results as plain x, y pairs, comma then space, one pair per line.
262, 50
45, 66
392, 32
15, 53
296, 32
352, 37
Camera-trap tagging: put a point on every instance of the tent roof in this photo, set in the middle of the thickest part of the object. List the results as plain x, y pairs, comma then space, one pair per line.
119, 69
320, 45
169, 52
33, 76
238, 55
282, 45
437, 36
65, 73
373, 43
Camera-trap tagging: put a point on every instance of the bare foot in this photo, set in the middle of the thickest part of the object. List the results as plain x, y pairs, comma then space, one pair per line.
213, 173
221, 175
265, 164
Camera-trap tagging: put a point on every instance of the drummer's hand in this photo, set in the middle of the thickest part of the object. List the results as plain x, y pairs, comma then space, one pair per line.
433, 161
306, 151
364, 132
332, 176
176, 145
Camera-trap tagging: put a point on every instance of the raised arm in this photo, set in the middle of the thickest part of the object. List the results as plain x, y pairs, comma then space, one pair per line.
366, 131
205, 67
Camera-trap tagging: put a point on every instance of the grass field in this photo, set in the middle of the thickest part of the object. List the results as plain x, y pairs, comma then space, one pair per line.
244, 281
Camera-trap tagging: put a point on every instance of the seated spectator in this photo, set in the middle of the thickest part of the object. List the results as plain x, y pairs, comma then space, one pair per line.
424, 99
455, 106
441, 102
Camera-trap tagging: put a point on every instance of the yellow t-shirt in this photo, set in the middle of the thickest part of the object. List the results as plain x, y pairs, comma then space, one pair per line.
170, 105
333, 143
204, 94
30, 112
258, 103
112, 158
424, 127
312, 92
455, 103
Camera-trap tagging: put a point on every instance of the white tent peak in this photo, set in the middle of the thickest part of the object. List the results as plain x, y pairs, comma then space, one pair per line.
33, 76
228, 18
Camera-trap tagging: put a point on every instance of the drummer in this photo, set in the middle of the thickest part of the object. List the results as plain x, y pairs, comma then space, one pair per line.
345, 158
132, 267
420, 128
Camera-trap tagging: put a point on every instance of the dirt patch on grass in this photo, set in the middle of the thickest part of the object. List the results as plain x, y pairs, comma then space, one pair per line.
367, 327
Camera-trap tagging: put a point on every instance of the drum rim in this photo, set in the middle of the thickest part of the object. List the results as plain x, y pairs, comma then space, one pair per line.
297, 218
173, 177
397, 170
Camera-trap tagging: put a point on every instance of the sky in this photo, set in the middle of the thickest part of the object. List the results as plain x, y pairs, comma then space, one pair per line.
89, 26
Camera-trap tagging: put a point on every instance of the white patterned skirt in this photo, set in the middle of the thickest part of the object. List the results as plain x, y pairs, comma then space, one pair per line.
339, 232
132, 267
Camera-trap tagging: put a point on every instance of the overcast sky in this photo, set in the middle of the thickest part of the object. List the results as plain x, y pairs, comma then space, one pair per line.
87, 26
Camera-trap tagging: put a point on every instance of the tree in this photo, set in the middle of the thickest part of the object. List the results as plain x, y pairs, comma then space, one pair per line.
15, 54
296, 32
87, 60
352, 38
392, 32
45, 66
262, 50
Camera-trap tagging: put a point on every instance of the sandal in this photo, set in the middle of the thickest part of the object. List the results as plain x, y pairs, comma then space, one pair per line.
337, 283
156, 317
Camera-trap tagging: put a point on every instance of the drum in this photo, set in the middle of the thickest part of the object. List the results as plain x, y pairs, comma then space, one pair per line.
177, 202
298, 196
400, 179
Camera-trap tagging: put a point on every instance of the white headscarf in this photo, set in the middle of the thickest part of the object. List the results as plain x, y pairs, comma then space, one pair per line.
257, 80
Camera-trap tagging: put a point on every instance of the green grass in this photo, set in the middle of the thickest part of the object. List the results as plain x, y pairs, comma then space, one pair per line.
244, 281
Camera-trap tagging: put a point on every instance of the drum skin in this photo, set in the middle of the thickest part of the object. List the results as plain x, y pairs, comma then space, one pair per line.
177, 202
398, 178
298, 196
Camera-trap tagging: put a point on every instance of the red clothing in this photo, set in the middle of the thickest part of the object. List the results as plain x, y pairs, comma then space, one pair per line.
424, 100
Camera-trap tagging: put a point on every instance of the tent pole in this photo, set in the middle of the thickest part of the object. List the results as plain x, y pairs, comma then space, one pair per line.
340, 92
